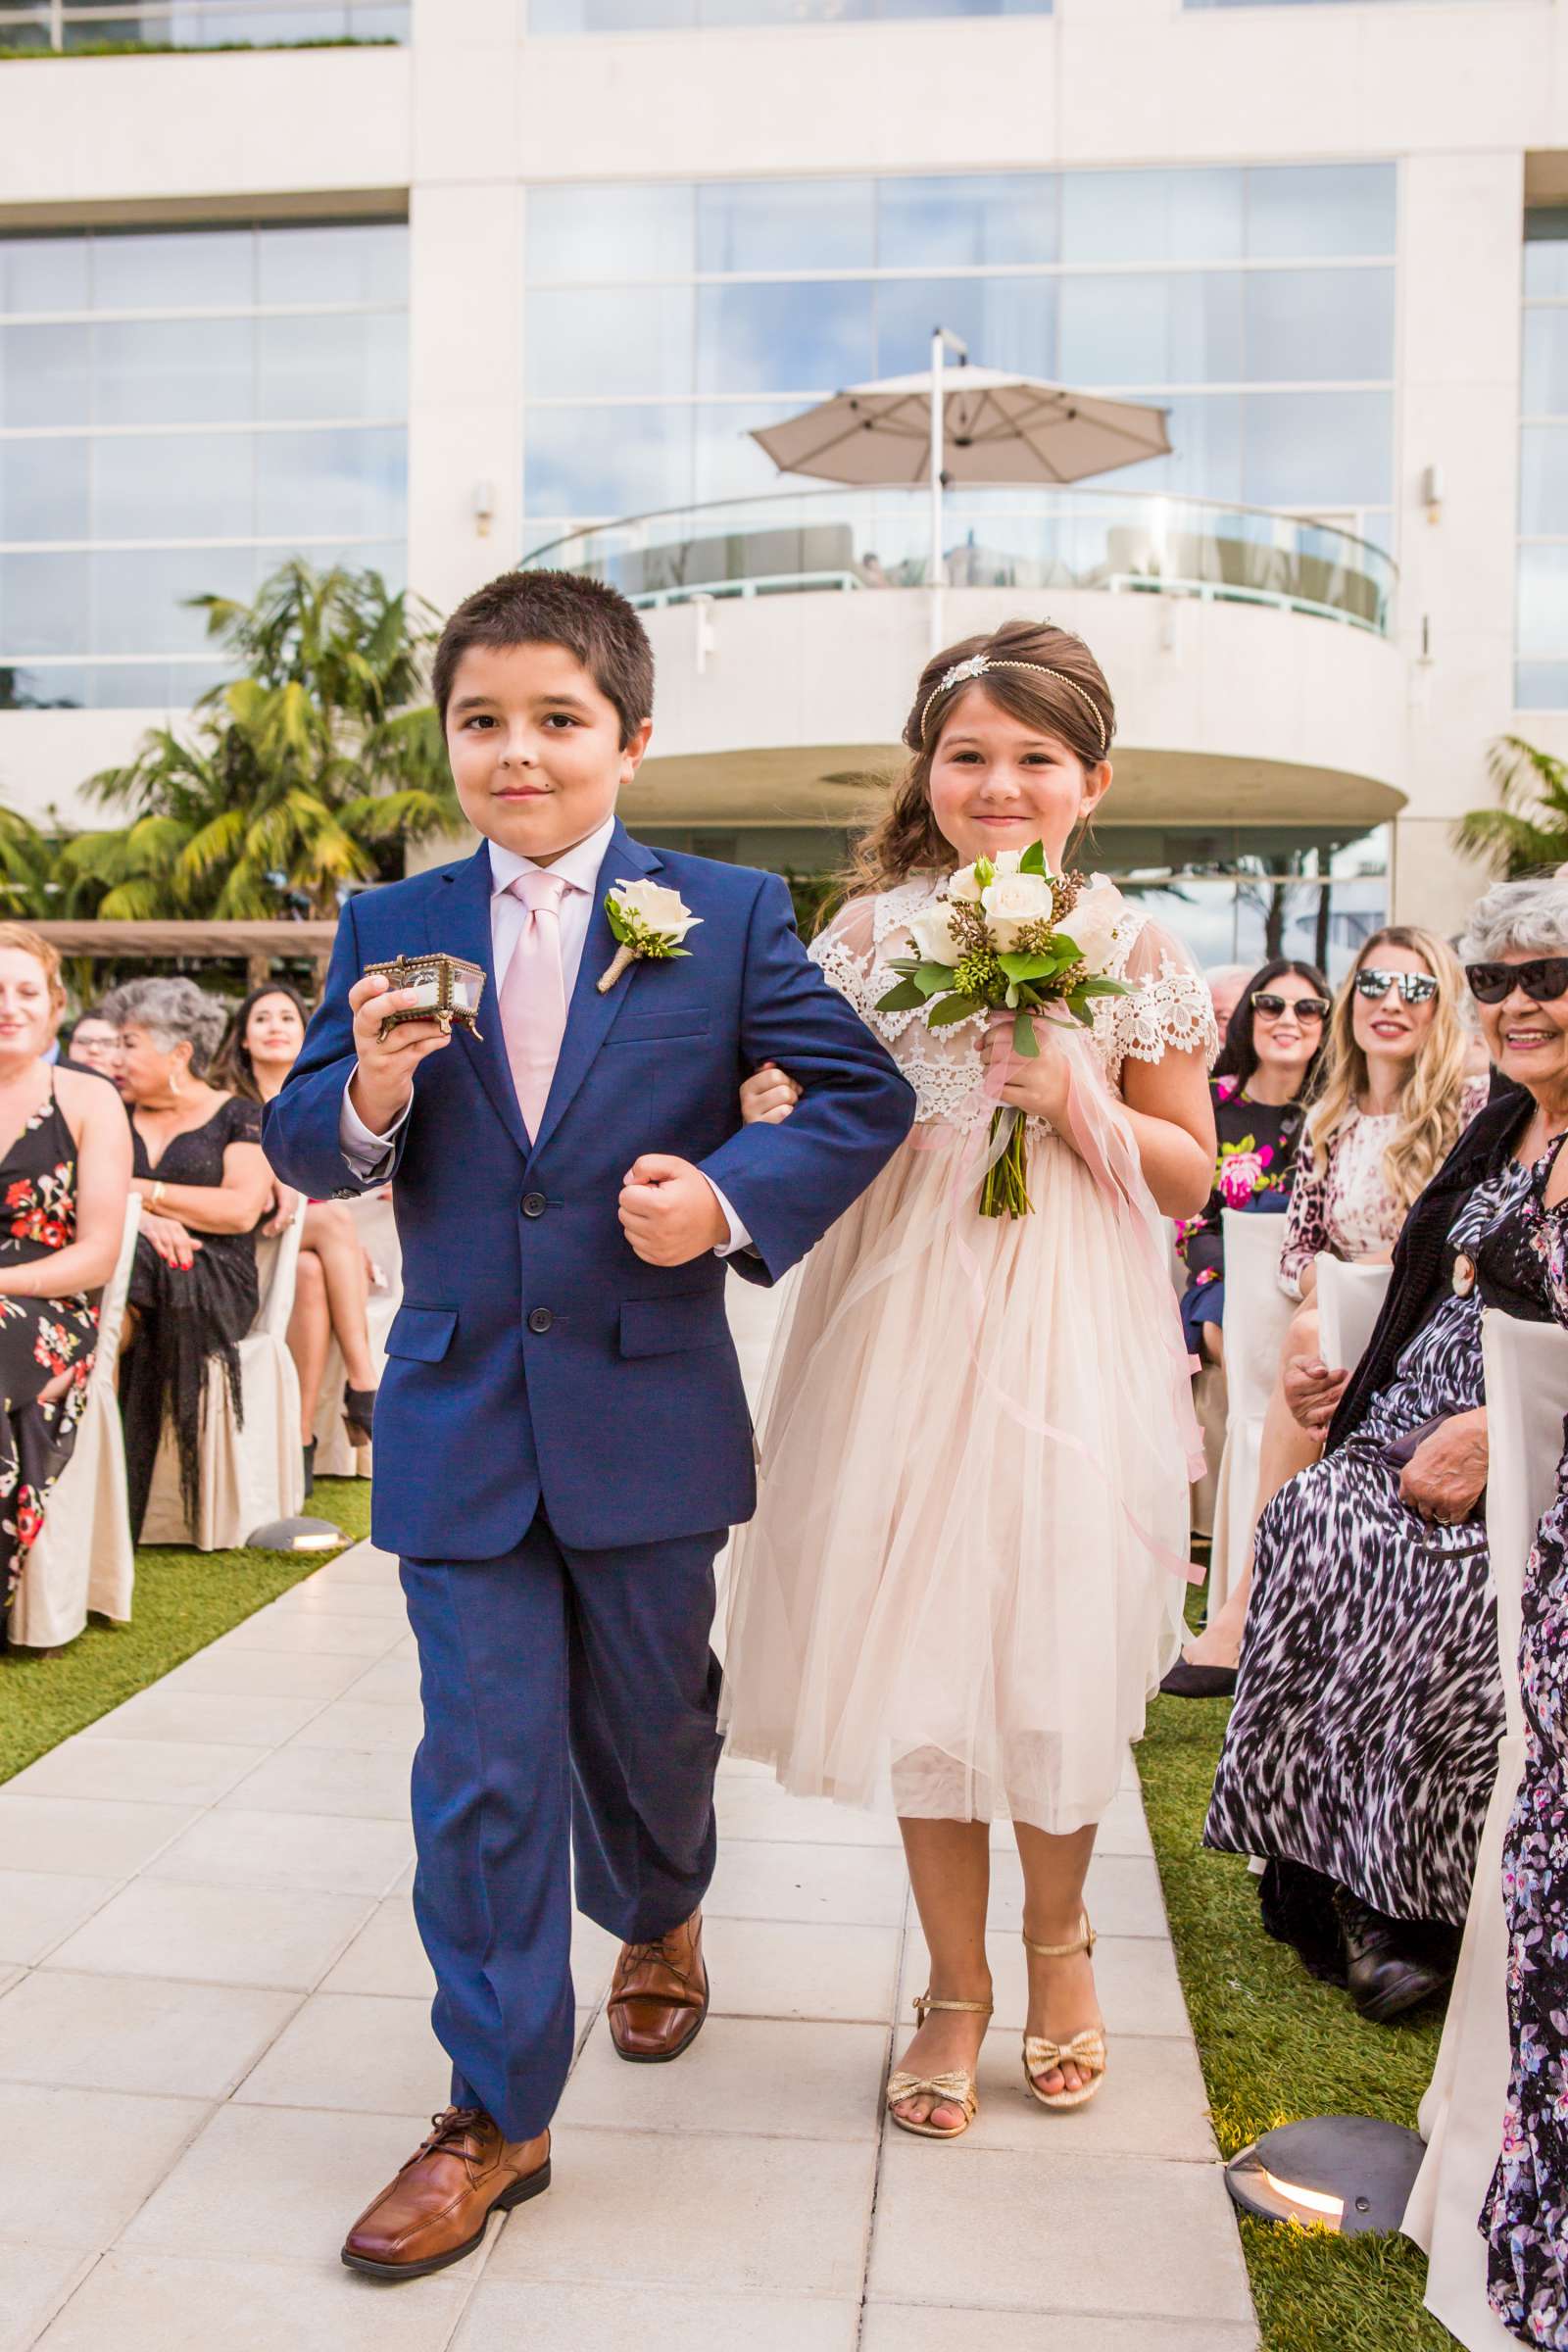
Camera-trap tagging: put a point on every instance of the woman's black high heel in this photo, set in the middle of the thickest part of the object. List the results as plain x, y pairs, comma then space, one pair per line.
358, 1410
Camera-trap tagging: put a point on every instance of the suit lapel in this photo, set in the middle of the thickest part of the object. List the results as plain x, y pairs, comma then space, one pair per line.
590, 1016
457, 923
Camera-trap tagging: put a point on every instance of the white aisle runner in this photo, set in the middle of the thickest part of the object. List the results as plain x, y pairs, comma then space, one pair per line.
215, 2046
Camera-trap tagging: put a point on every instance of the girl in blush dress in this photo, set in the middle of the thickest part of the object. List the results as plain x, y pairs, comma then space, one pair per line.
965, 1574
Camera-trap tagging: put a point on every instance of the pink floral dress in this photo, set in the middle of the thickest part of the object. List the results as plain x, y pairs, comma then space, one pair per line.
1256, 1161
39, 1338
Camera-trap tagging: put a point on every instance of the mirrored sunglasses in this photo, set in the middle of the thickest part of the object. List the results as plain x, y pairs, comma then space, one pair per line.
1543, 980
1416, 988
1306, 1008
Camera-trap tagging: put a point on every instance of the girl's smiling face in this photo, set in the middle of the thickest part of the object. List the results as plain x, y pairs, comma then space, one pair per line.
999, 783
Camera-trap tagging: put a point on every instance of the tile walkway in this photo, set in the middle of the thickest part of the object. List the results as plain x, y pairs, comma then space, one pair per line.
215, 2046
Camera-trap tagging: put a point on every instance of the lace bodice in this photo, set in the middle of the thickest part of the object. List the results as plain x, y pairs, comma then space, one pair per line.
1168, 1010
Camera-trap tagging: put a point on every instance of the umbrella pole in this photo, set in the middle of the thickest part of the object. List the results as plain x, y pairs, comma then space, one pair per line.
938, 574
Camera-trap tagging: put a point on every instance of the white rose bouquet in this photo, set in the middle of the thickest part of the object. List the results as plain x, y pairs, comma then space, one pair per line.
1009, 935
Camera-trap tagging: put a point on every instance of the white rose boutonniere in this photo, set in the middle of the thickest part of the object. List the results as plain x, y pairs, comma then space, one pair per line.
649, 921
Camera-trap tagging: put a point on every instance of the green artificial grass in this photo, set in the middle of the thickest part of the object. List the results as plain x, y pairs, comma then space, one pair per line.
183, 1599
1275, 2045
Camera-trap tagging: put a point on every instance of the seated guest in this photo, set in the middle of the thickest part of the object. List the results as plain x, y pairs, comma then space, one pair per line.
1394, 1094
1226, 983
206, 1190
93, 1045
65, 1168
1265, 1068
1362, 1744
261, 1049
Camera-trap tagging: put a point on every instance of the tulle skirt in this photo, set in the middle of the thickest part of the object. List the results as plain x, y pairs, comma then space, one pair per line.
959, 1592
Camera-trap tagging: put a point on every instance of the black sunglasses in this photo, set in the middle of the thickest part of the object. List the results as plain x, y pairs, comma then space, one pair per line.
1543, 980
1416, 988
1306, 1008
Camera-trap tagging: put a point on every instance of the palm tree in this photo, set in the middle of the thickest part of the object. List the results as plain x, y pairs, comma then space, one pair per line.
298, 778
1527, 833
26, 862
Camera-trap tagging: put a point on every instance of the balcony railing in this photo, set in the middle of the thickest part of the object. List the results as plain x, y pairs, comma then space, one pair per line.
64, 26
1126, 542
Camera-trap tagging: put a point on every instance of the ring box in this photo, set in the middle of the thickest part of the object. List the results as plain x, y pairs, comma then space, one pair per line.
448, 989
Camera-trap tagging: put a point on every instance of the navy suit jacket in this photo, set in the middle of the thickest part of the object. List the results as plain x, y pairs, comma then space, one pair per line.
535, 1356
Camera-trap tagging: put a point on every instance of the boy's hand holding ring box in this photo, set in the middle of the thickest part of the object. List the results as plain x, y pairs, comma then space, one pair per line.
437, 987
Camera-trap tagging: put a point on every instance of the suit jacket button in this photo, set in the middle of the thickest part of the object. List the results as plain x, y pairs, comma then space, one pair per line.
540, 1320
534, 1204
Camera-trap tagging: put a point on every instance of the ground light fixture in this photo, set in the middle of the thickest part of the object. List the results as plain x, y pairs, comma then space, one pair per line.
295, 1535
1350, 2173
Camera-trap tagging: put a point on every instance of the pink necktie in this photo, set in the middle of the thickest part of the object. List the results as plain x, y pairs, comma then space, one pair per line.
533, 995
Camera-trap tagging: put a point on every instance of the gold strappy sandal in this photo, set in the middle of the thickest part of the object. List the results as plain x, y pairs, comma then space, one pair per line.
955, 2090
1086, 2050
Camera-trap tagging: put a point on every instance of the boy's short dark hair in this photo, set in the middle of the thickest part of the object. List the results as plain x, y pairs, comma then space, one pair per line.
594, 624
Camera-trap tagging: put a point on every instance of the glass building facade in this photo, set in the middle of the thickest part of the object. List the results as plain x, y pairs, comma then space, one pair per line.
666, 320
86, 24
179, 412
664, 16
1541, 670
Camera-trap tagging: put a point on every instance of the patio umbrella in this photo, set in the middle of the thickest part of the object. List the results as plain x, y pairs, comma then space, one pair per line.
966, 424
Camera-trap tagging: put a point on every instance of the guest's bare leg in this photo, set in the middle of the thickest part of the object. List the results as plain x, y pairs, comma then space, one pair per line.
1212, 1335
331, 1231
950, 1870
1061, 1992
1285, 1451
309, 1338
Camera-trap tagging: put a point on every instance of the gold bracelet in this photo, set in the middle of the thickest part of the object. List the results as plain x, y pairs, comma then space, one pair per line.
155, 1195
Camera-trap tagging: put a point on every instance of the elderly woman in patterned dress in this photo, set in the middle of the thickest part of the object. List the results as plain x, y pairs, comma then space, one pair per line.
1362, 1744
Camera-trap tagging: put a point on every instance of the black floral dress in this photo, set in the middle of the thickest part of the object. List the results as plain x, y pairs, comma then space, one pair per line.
1363, 1745
185, 1316
1525, 2218
1253, 1172
39, 1338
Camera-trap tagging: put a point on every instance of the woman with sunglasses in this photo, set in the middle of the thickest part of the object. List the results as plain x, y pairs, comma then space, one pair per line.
1362, 1746
1265, 1070
1394, 1095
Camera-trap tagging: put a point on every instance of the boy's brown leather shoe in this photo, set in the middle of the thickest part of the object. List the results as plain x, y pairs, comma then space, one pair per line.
435, 2211
659, 1995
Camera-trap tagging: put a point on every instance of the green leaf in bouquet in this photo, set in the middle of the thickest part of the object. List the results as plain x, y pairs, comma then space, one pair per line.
1033, 860
1101, 985
905, 998
1067, 949
952, 1008
1024, 1040
932, 978
1082, 1013
1029, 967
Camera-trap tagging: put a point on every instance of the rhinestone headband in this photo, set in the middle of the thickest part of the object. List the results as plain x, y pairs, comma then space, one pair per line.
978, 665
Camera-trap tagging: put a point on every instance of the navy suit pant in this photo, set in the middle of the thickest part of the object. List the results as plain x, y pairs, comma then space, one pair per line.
570, 1700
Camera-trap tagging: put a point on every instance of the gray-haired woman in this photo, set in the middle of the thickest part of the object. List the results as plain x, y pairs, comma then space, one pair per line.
206, 1189
1363, 1745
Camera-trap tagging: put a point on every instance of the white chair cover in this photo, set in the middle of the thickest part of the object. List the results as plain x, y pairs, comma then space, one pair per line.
1348, 1300
335, 1457
1258, 1316
1461, 2116
83, 1559
250, 1474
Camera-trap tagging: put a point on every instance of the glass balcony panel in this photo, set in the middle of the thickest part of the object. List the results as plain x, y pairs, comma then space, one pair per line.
43, 489
1317, 211
28, 34
1319, 325
973, 219
611, 234
751, 225
1541, 686
209, 270
348, 364
1543, 625
639, 457
1544, 481
1151, 216
44, 604
1547, 252
174, 371
1546, 363
624, 340
140, 600
1008, 322
173, 486
45, 375
365, 262
316, 485
801, 337
1324, 449
43, 274
45, 689
609, 16
1131, 329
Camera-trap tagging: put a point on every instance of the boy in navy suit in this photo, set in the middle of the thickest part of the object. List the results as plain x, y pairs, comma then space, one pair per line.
561, 1437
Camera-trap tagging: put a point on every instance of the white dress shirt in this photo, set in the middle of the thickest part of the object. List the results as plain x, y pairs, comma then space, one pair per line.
369, 1155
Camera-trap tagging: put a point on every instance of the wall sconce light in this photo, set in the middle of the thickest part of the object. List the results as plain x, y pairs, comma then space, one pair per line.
484, 507
1432, 492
